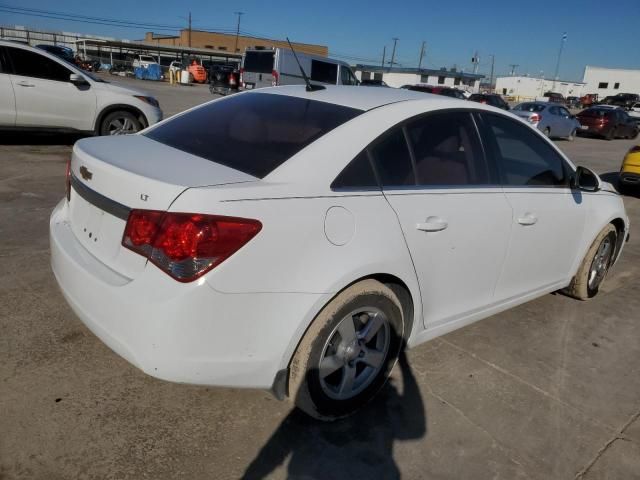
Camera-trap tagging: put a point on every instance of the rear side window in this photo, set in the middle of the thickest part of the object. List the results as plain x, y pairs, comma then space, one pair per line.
392, 160
523, 157
31, 64
252, 132
324, 71
358, 174
259, 62
447, 150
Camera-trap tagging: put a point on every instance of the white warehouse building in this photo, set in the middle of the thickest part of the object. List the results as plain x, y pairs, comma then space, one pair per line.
397, 77
528, 88
611, 81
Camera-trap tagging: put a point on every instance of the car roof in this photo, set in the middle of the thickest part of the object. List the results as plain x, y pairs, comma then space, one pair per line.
354, 96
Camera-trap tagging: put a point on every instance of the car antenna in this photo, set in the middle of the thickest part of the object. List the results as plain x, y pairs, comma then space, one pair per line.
310, 86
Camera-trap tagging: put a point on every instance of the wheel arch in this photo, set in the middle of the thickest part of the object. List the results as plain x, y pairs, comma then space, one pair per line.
117, 107
621, 228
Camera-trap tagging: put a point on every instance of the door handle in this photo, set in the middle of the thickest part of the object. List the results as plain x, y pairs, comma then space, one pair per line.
25, 84
528, 219
432, 224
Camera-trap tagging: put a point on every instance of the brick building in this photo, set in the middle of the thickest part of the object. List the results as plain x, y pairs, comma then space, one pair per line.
226, 42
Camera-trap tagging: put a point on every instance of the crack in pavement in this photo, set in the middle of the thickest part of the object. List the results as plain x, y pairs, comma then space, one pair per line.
618, 436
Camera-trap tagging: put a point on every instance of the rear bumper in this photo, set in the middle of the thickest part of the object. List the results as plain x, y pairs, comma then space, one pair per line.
179, 332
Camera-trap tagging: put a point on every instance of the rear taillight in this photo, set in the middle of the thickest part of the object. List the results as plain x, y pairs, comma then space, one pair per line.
274, 82
186, 245
68, 180
232, 79
483, 102
535, 118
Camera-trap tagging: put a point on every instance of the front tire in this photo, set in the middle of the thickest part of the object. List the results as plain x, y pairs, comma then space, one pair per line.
346, 355
119, 122
572, 135
595, 265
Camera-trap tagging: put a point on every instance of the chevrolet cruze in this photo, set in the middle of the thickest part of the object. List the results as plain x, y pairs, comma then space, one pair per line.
297, 240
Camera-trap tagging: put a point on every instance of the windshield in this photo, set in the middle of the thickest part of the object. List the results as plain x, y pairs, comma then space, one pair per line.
530, 107
252, 132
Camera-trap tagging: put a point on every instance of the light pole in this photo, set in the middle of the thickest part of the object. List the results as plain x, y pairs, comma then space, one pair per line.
237, 30
393, 52
555, 75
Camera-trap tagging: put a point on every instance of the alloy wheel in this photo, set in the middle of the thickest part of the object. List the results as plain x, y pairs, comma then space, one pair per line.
121, 126
600, 263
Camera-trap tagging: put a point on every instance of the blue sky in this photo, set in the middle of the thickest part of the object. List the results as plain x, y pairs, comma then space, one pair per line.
516, 32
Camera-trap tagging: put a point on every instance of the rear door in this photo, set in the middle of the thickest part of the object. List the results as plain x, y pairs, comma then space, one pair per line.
44, 95
548, 216
258, 68
7, 98
455, 219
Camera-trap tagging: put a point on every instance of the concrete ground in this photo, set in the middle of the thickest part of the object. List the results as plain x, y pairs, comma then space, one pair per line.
548, 390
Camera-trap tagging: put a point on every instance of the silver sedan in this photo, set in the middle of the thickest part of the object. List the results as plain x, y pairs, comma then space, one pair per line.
550, 118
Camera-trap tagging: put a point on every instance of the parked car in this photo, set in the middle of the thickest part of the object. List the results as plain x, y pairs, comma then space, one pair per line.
269, 68
260, 248
634, 112
588, 100
65, 53
573, 102
436, 90
40, 90
373, 83
144, 61
609, 123
630, 170
551, 119
490, 99
553, 97
624, 100
224, 78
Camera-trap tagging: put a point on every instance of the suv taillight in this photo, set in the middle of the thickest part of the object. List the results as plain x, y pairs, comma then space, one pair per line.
68, 180
274, 82
186, 245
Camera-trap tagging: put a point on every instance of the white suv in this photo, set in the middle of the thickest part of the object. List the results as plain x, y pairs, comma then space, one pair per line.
41, 91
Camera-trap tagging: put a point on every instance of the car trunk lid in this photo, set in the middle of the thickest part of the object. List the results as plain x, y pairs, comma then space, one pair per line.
110, 176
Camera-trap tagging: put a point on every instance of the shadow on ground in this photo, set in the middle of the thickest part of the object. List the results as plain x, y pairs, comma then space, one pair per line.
360, 446
39, 138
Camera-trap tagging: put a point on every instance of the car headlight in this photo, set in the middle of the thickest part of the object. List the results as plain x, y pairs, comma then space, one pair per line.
150, 100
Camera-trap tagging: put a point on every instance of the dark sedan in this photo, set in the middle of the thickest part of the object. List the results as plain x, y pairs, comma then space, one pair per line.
609, 123
490, 99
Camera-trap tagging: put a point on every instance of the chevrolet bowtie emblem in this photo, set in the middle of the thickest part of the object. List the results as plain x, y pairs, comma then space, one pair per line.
86, 174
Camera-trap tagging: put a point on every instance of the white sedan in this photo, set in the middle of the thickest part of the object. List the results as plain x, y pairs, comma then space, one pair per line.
297, 241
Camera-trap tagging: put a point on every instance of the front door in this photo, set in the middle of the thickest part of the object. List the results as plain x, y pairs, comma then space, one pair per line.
548, 216
455, 220
44, 95
7, 98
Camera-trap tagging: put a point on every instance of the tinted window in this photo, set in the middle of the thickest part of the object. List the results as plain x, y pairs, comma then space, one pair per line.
392, 160
324, 71
258, 62
530, 107
524, 158
347, 78
447, 150
252, 132
30, 64
358, 173
3, 62
564, 112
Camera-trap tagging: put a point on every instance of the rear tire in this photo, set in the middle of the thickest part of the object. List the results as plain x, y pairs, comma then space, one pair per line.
345, 357
572, 135
547, 132
609, 136
595, 265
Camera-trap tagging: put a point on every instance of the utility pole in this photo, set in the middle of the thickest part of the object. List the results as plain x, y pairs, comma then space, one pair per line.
555, 75
421, 55
513, 68
189, 29
493, 61
384, 54
237, 30
476, 61
393, 52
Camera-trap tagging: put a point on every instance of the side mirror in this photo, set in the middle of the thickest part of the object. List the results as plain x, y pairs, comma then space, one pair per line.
586, 180
77, 80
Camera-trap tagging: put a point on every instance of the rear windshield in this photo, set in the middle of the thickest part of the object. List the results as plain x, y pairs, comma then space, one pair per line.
252, 132
595, 112
530, 107
258, 62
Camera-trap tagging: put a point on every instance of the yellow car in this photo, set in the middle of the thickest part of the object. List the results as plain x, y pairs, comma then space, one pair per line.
630, 169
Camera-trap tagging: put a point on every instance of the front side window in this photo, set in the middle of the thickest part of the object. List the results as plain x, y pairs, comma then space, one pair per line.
324, 71
252, 132
524, 158
31, 64
447, 150
393, 160
346, 77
